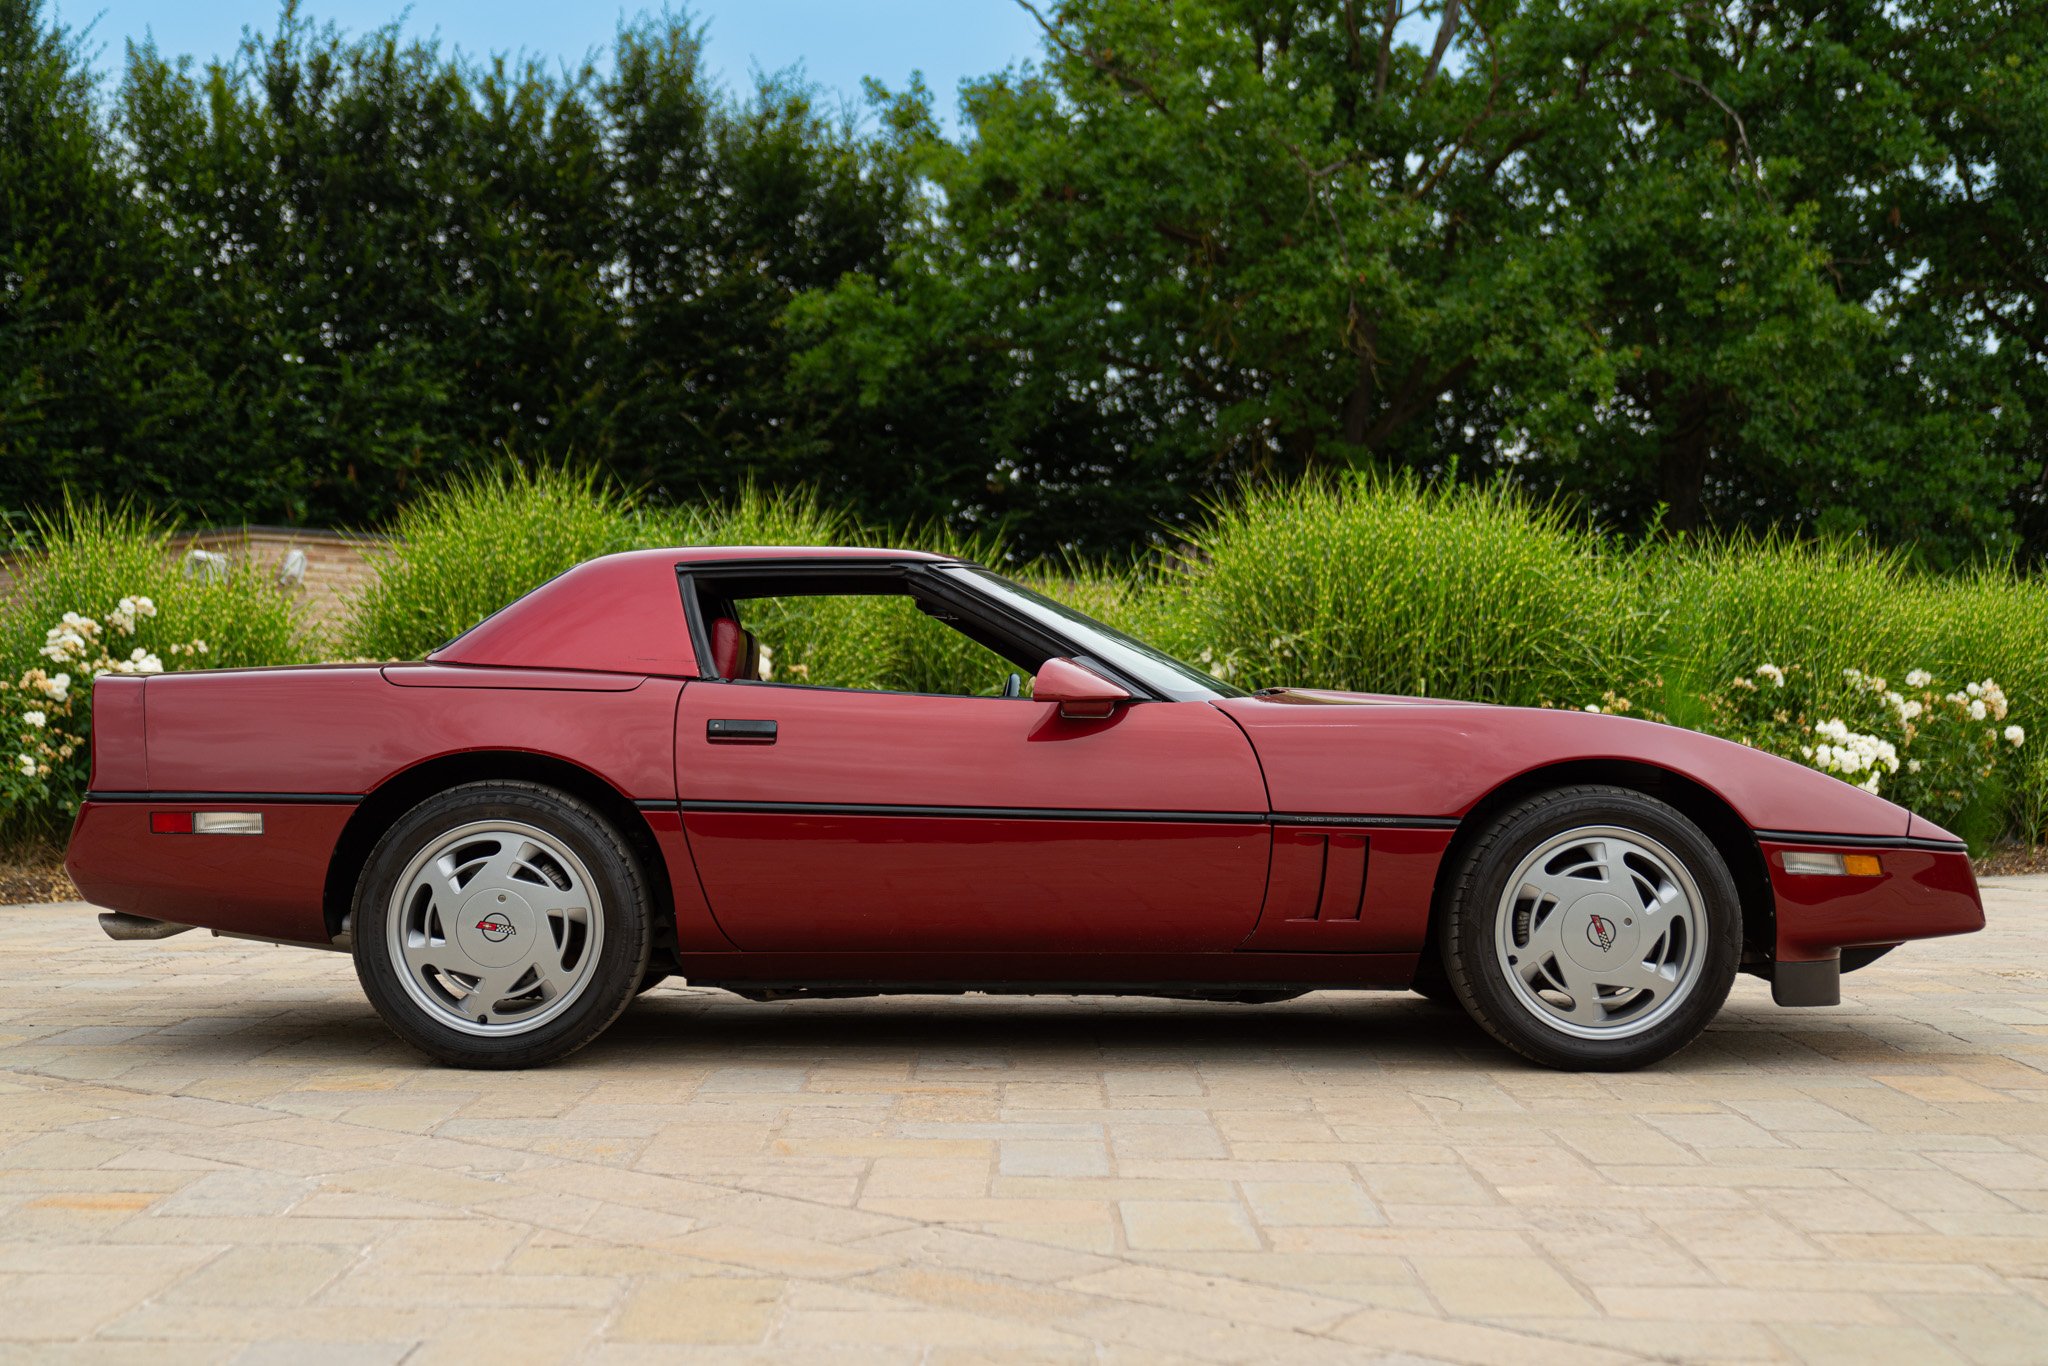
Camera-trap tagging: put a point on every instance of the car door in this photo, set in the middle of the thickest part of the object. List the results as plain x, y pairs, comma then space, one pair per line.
826, 819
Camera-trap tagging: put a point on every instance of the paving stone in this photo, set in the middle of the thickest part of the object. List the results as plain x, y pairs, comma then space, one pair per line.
211, 1151
702, 1310
1186, 1225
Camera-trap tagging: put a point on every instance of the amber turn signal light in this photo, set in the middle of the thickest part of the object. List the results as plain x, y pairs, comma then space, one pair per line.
1833, 865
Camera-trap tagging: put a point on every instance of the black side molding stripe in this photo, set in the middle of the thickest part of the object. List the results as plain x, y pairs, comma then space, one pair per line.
240, 798
1404, 822
1007, 813
1863, 841
1042, 813
1003, 813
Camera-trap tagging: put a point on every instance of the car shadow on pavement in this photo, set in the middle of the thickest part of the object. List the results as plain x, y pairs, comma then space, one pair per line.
1389, 1025
1336, 1030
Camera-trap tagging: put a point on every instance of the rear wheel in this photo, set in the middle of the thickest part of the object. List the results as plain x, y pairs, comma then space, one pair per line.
1593, 928
501, 924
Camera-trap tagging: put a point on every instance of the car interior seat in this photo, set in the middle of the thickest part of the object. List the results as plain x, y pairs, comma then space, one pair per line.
735, 651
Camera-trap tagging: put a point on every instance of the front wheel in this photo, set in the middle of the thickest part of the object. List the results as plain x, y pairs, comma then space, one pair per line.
501, 925
1593, 928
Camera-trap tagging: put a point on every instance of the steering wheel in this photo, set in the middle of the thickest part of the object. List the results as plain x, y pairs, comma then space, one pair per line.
1013, 686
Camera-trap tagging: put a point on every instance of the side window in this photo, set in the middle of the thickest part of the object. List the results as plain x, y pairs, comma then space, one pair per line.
883, 641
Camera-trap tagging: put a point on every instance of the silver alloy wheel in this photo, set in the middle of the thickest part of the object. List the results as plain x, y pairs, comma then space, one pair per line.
495, 928
1601, 932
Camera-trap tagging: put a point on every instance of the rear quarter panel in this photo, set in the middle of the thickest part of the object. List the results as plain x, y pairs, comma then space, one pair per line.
346, 731
301, 746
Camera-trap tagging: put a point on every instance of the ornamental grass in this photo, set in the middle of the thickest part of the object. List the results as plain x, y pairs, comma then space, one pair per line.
1375, 584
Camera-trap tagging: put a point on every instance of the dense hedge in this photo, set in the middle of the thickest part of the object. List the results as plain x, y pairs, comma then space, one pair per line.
1744, 265
1373, 585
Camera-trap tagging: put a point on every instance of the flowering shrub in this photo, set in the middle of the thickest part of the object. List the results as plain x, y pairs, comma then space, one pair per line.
105, 591
47, 712
1927, 747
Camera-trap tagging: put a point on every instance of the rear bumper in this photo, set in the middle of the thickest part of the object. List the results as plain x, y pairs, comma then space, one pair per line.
1927, 890
271, 885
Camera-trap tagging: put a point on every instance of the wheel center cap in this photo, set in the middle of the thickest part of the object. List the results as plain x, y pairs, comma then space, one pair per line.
1600, 931
495, 927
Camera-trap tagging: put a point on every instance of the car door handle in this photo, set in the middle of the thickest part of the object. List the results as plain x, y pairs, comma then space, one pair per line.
739, 731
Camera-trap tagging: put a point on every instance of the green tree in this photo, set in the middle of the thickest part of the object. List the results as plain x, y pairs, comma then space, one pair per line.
722, 213
360, 263
1724, 265
1622, 249
86, 382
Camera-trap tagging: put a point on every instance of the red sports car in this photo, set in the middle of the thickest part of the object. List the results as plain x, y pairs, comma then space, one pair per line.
604, 784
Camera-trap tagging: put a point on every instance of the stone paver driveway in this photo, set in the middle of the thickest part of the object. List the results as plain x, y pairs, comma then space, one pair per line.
211, 1150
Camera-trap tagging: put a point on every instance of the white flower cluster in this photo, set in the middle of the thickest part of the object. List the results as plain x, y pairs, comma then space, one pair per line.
75, 637
124, 615
51, 725
1612, 703
56, 687
1847, 752
1980, 701
1941, 743
1220, 666
1985, 700
78, 639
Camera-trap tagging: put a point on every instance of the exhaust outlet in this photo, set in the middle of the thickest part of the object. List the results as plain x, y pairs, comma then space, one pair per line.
120, 925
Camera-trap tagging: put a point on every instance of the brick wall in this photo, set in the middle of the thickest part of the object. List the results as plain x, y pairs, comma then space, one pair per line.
337, 563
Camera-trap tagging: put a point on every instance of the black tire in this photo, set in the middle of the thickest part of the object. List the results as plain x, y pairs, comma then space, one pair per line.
1474, 969
609, 984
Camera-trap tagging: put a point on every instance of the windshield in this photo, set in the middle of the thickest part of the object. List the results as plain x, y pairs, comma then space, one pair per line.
1154, 668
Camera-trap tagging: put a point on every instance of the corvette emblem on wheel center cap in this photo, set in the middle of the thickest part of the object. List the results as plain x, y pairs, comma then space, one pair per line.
1602, 931
495, 927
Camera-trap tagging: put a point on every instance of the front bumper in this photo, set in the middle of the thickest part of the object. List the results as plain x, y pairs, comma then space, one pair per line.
1926, 890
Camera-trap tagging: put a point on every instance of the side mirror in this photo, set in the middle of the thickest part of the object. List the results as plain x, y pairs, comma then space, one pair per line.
1082, 694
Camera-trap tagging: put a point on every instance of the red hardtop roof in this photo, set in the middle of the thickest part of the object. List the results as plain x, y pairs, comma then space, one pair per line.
621, 613
698, 554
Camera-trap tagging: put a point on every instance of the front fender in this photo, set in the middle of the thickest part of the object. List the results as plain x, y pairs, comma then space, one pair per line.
1440, 760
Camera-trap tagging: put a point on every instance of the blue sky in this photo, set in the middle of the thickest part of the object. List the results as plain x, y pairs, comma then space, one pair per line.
836, 41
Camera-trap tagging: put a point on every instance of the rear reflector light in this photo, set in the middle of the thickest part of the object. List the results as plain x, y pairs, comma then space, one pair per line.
227, 823
1833, 865
206, 822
